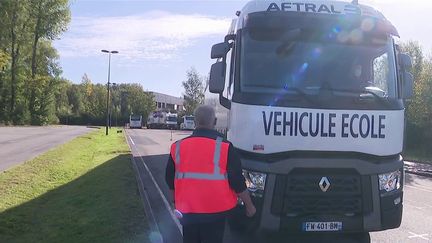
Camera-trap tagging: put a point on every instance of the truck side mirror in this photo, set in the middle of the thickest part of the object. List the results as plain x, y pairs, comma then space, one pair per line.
407, 78
217, 78
406, 61
408, 85
220, 50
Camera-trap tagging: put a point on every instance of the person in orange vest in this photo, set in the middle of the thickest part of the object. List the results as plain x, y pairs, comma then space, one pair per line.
205, 176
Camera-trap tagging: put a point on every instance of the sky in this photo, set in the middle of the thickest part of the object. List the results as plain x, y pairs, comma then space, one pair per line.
158, 41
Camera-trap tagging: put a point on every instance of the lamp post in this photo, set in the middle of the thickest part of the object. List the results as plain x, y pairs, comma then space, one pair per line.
108, 88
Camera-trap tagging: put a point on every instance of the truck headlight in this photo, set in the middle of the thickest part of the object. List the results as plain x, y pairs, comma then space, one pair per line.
255, 181
390, 181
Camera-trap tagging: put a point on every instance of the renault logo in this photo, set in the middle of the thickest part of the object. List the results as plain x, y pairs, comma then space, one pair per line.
324, 184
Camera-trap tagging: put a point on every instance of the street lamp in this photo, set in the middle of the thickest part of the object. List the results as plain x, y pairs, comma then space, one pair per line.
108, 88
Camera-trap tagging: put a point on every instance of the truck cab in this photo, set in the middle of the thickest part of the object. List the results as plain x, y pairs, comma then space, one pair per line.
315, 96
171, 121
157, 120
135, 121
187, 123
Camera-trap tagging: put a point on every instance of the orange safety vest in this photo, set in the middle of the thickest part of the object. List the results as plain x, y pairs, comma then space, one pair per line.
201, 181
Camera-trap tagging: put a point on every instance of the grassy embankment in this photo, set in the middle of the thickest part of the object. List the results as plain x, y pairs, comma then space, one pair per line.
82, 191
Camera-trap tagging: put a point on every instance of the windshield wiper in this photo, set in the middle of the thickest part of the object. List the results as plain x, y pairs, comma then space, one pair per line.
299, 92
296, 90
283, 94
362, 94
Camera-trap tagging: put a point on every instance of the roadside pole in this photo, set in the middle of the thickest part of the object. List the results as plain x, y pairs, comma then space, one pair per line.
108, 118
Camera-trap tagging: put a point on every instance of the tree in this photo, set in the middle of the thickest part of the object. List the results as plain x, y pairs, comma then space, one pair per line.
193, 91
414, 50
419, 108
44, 85
85, 103
415, 107
63, 109
29, 69
49, 19
131, 99
14, 18
4, 61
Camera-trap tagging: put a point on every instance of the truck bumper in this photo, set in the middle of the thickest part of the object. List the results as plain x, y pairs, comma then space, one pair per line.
172, 126
281, 210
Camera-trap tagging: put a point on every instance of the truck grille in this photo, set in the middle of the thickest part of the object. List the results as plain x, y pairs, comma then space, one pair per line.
299, 193
308, 185
305, 206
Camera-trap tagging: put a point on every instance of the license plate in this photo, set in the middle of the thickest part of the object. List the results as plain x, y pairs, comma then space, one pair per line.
322, 226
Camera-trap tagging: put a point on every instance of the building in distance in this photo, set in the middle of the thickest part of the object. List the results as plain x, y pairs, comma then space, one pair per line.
167, 102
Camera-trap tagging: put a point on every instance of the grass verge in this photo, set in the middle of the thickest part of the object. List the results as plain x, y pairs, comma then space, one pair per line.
82, 191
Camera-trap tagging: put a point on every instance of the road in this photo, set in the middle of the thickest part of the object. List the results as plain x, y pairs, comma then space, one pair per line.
151, 148
19, 144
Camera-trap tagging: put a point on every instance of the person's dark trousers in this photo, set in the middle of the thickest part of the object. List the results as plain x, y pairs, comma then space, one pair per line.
211, 232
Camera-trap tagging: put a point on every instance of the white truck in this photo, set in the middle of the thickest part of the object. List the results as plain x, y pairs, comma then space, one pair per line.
156, 119
171, 121
315, 96
135, 121
187, 123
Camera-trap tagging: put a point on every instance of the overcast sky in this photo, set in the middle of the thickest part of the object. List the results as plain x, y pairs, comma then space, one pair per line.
159, 40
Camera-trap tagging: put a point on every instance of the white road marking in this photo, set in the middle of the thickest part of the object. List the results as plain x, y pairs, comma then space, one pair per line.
167, 205
421, 236
156, 226
165, 201
131, 140
148, 203
419, 188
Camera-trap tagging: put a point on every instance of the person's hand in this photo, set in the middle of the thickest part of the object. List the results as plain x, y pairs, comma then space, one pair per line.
250, 210
250, 207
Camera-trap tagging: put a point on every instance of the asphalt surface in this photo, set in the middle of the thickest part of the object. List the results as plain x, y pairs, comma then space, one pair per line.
151, 147
19, 144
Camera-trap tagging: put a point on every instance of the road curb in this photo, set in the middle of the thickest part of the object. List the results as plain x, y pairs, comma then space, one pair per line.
425, 174
157, 236
418, 168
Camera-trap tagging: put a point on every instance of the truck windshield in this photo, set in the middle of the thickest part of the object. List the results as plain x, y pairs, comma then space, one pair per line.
171, 118
291, 60
135, 118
